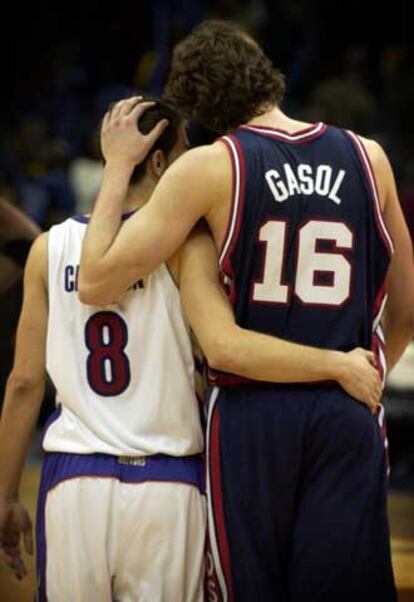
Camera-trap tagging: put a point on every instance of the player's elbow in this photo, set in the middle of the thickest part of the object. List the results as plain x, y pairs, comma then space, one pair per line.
404, 321
399, 325
91, 293
22, 382
88, 295
220, 352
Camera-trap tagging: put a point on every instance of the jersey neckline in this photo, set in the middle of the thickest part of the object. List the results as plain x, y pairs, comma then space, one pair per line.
305, 135
84, 219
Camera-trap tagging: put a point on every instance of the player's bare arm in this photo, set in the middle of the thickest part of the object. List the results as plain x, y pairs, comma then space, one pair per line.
399, 312
232, 349
17, 231
23, 398
14, 224
114, 257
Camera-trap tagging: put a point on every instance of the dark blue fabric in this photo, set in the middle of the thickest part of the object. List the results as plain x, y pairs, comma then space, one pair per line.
304, 492
58, 467
341, 328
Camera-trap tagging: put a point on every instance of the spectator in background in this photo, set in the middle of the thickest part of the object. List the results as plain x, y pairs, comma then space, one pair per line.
41, 173
346, 99
345, 102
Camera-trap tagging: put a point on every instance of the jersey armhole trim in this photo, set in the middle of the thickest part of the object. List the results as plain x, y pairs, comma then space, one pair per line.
370, 176
237, 202
84, 219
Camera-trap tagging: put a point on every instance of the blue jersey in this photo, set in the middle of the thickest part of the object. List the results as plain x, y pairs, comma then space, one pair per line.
306, 254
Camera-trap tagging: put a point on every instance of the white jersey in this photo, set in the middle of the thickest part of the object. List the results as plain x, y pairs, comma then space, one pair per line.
124, 374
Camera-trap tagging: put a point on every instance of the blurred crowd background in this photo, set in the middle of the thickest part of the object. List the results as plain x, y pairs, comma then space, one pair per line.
63, 64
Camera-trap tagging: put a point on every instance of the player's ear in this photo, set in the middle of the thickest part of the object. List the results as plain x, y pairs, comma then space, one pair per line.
158, 163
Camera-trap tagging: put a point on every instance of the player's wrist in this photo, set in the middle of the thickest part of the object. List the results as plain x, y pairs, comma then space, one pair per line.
119, 167
115, 182
337, 366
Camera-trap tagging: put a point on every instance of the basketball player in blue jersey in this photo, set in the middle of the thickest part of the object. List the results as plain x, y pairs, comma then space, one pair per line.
120, 513
311, 238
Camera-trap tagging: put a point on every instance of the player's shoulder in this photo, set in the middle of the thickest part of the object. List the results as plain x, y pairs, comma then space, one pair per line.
201, 163
39, 245
375, 152
381, 167
37, 258
206, 152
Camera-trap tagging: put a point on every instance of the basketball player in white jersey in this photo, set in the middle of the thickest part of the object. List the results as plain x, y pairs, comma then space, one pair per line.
121, 511
121, 515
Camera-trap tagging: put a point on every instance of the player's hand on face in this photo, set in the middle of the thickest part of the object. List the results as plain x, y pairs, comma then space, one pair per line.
361, 378
121, 141
15, 523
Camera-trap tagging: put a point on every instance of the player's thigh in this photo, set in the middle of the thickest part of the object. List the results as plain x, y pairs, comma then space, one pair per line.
161, 542
254, 455
76, 522
341, 545
342, 553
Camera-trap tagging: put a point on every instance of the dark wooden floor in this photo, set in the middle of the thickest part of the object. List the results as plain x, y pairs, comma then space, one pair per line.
401, 511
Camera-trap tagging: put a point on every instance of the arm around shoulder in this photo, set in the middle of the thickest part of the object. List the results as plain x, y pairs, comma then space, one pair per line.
112, 260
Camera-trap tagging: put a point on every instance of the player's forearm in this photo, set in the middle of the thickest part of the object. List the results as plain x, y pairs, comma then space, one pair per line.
97, 267
262, 357
14, 224
19, 416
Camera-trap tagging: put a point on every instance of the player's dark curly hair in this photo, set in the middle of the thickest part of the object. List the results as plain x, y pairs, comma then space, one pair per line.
220, 77
163, 109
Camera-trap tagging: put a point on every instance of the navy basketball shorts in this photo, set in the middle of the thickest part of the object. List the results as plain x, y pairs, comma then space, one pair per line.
297, 490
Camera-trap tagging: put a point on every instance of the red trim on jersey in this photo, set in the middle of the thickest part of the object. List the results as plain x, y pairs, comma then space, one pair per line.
380, 412
382, 291
239, 184
372, 184
217, 502
377, 347
212, 589
233, 193
377, 343
230, 239
222, 379
302, 136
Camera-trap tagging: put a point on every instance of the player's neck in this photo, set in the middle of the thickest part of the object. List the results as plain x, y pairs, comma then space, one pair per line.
275, 118
138, 195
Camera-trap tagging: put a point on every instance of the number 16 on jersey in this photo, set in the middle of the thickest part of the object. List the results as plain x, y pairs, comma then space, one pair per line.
311, 264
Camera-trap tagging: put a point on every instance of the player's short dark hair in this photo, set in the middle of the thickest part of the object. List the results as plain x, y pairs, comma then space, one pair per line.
220, 77
163, 109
